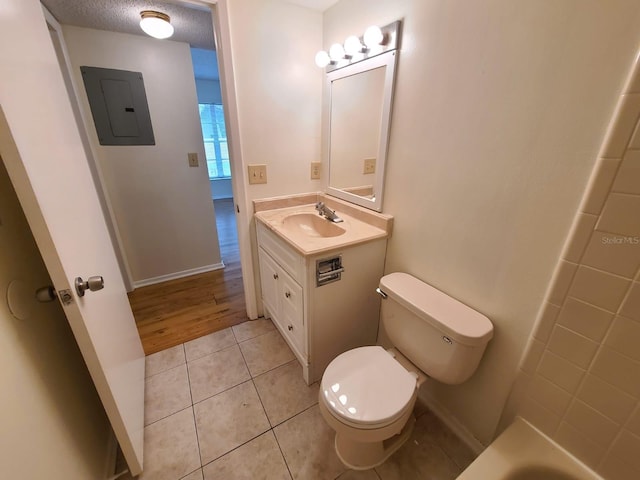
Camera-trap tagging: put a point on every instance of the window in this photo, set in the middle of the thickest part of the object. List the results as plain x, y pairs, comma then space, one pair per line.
214, 134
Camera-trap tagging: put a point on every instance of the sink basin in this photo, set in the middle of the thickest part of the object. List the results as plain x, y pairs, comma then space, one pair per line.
311, 225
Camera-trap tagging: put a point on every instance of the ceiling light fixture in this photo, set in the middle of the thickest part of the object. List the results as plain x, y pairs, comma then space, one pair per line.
156, 24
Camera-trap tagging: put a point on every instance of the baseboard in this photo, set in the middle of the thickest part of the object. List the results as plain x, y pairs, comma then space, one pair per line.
176, 275
454, 425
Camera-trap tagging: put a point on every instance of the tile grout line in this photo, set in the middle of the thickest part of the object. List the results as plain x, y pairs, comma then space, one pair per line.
243, 381
191, 473
167, 369
270, 424
270, 429
236, 448
265, 412
193, 410
220, 349
281, 451
588, 371
170, 415
255, 336
164, 371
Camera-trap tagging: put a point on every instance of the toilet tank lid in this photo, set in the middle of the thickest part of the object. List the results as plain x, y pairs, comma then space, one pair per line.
455, 319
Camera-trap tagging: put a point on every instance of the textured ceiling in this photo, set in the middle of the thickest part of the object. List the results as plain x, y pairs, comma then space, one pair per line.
192, 24
319, 5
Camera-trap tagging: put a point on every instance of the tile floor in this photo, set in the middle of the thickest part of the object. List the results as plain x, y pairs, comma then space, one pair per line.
233, 405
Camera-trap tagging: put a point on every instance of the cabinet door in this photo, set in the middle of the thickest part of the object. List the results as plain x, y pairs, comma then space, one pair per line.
269, 279
292, 311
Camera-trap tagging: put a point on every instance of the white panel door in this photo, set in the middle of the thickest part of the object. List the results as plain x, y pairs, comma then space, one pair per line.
42, 151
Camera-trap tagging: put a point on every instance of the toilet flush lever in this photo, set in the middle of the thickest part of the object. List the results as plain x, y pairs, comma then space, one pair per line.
381, 293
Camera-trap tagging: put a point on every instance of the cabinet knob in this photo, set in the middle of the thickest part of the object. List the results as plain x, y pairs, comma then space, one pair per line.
275, 276
290, 327
287, 294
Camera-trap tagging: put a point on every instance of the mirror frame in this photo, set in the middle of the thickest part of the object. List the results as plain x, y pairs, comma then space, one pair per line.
387, 59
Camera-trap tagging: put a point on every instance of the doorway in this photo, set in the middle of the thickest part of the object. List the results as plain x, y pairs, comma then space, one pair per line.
214, 134
210, 298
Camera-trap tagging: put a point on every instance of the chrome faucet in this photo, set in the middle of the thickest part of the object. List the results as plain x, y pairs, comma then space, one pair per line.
326, 212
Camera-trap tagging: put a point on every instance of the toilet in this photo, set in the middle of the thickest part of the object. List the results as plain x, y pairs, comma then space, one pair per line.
367, 394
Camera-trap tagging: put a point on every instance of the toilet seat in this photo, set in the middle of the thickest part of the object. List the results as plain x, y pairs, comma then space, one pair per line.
367, 388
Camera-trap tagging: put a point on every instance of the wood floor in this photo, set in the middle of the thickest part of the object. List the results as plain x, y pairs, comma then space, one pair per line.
174, 312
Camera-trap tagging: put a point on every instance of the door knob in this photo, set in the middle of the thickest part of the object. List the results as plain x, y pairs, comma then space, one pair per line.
92, 283
46, 294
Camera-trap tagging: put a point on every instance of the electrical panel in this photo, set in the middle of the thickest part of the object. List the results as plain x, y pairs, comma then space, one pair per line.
119, 106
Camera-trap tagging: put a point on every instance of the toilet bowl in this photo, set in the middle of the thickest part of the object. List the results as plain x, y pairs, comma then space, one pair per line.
367, 394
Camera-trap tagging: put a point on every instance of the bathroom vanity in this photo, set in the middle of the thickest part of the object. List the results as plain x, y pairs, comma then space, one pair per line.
319, 278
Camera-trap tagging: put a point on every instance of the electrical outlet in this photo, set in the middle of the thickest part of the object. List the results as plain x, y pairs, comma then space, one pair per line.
315, 170
193, 159
257, 174
369, 165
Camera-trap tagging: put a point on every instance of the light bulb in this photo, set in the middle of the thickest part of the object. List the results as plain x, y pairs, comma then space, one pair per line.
156, 24
336, 52
322, 59
352, 45
373, 36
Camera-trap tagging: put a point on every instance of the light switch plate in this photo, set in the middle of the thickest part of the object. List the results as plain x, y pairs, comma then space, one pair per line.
369, 165
257, 174
315, 170
193, 159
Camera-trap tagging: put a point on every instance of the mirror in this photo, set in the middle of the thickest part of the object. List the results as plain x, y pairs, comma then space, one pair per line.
359, 115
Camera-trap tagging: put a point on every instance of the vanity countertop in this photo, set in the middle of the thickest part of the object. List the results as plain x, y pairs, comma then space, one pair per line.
358, 226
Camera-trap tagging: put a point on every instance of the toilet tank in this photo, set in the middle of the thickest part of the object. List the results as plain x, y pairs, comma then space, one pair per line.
440, 335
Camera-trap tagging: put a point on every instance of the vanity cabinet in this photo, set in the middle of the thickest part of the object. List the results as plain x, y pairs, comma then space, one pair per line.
282, 298
320, 322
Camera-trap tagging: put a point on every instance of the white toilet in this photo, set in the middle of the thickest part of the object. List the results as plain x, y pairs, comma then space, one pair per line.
367, 394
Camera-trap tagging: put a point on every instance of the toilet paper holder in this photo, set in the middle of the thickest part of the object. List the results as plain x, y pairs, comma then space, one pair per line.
328, 270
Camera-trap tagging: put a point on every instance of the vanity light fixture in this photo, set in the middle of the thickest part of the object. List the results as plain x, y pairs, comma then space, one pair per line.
322, 59
375, 41
336, 52
373, 36
156, 24
353, 46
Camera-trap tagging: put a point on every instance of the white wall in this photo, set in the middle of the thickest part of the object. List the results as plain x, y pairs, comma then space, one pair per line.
499, 110
278, 92
162, 206
278, 95
53, 424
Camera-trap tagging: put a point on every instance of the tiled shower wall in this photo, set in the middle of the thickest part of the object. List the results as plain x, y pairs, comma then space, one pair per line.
580, 379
